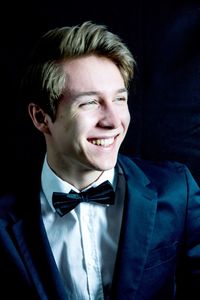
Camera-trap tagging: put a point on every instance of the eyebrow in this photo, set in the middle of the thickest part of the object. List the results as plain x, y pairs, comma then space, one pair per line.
92, 93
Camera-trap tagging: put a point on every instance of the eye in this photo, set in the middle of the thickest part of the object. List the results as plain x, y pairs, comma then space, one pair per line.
121, 99
89, 103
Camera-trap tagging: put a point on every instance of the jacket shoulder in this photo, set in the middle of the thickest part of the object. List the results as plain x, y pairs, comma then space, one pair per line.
145, 164
159, 172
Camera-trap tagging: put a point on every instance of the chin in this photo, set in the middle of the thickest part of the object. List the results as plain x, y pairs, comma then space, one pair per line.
105, 165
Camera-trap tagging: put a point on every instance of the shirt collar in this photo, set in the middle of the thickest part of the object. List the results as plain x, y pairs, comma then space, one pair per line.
52, 183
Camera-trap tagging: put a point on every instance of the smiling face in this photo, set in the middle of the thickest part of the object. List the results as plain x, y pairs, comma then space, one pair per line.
91, 121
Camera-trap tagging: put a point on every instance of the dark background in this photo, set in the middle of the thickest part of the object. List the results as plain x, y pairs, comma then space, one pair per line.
164, 37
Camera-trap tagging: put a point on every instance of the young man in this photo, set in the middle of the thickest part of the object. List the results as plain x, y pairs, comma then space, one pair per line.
95, 224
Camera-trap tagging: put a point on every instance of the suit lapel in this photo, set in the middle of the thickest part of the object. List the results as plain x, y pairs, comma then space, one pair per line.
137, 225
37, 256
30, 236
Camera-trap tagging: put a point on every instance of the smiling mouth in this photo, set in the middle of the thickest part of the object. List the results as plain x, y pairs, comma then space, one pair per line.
102, 142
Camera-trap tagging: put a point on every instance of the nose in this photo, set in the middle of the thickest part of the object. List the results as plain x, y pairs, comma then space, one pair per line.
110, 116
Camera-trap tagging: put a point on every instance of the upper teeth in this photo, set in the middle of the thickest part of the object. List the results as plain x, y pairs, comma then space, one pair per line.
103, 142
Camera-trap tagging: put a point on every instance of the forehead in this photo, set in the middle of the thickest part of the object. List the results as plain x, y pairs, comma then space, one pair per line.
93, 73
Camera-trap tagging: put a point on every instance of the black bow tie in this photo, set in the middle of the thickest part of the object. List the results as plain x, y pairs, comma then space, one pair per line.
103, 194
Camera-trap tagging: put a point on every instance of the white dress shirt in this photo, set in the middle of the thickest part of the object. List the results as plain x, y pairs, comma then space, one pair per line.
84, 241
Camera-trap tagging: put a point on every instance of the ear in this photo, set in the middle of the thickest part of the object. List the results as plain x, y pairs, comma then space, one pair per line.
39, 118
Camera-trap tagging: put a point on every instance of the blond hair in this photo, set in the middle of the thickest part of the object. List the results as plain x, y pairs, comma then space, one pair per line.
45, 79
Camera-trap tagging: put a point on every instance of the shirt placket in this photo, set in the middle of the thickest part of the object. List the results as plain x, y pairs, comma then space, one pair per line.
92, 266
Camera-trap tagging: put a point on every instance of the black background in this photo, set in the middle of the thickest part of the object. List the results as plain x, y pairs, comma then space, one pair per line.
164, 37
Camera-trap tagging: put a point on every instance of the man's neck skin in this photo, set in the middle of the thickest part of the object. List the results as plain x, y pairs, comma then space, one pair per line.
79, 179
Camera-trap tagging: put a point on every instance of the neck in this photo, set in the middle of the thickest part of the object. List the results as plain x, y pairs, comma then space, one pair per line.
80, 181
80, 178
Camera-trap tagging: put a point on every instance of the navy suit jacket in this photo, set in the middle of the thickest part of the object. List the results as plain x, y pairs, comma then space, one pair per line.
159, 249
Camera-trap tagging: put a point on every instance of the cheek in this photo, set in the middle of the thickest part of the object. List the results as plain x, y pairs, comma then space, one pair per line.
77, 128
125, 117
85, 122
128, 116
